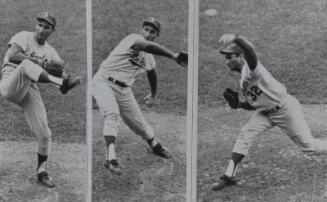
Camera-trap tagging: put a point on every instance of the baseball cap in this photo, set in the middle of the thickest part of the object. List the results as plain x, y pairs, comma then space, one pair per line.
47, 17
231, 48
153, 22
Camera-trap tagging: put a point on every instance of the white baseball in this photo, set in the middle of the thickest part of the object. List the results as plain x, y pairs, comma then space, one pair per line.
211, 12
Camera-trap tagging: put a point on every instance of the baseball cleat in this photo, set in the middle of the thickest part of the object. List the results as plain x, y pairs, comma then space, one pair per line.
161, 151
69, 83
113, 166
44, 180
223, 182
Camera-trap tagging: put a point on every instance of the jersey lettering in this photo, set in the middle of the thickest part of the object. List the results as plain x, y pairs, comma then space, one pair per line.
138, 60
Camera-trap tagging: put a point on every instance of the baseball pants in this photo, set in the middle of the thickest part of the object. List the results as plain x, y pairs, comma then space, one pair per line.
290, 119
115, 101
17, 86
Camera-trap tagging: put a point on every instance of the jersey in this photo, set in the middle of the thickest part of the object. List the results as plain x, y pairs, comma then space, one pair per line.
124, 63
30, 48
260, 88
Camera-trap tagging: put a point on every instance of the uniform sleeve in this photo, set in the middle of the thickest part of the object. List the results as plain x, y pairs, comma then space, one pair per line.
130, 40
20, 39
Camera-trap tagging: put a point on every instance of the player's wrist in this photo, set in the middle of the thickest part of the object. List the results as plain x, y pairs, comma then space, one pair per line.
174, 56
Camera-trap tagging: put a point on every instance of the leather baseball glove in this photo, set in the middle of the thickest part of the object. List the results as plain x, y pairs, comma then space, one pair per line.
232, 98
69, 83
182, 58
54, 68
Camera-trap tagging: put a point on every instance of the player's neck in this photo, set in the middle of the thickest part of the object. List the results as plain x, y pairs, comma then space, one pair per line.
39, 41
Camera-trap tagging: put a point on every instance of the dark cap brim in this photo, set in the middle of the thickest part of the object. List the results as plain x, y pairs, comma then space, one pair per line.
227, 52
152, 24
231, 48
47, 20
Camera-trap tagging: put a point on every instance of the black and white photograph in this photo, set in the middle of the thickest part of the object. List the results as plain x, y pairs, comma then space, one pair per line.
149, 100
139, 90
262, 133
43, 101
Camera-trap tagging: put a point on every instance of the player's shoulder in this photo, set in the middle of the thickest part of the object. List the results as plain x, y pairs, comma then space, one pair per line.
25, 34
128, 41
133, 37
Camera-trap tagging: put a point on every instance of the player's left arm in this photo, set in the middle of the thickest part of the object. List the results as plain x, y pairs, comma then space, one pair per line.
150, 99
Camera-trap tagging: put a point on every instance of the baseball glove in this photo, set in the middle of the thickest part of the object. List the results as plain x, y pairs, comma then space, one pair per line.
182, 58
69, 83
232, 98
54, 68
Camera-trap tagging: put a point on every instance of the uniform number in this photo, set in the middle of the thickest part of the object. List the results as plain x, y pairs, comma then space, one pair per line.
253, 92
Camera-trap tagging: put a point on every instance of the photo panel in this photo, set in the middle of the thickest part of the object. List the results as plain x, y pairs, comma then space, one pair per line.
139, 89
261, 119
43, 101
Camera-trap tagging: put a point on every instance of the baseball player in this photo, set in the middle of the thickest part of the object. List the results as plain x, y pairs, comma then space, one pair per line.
113, 93
25, 64
269, 100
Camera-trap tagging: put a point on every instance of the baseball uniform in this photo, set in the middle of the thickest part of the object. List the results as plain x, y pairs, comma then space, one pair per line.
18, 85
112, 87
274, 107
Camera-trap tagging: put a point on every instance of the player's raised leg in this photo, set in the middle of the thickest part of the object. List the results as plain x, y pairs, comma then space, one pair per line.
15, 84
108, 106
36, 117
257, 124
133, 117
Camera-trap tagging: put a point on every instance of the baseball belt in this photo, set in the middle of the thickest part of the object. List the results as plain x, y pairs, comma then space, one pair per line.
272, 110
119, 83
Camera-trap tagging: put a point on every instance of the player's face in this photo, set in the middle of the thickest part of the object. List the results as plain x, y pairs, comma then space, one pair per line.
235, 62
149, 33
43, 30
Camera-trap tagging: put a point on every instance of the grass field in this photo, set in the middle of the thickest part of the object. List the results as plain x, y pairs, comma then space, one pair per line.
289, 36
66, 114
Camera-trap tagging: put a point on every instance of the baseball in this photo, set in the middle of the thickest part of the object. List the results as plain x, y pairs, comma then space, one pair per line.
211, 12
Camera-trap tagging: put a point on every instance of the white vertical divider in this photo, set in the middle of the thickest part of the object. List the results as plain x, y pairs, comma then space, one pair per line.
88, 186
192, 100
